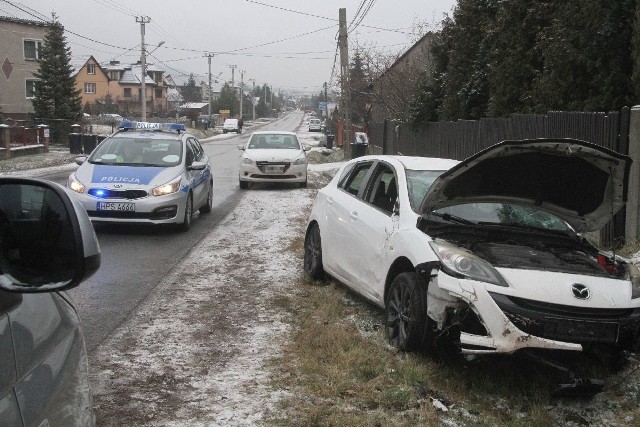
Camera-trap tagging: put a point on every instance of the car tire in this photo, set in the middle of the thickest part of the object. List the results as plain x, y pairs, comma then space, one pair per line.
188, 213
313, 254
208, 206
224, 131
407, 325
244, 185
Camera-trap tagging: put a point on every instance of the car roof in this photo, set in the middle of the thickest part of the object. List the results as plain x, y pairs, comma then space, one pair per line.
416, 162
271, 132
149, 133
231, 120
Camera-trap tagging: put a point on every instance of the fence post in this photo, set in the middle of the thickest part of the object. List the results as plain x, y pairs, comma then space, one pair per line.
633, 199
5, 140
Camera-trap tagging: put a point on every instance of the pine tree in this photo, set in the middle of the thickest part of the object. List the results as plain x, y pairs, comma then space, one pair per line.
190, 91
57, 102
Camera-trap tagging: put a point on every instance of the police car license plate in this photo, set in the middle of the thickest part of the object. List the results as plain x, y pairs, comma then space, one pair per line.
274, 169
116, 206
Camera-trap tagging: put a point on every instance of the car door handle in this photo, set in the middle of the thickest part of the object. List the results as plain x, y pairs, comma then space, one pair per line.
353, 215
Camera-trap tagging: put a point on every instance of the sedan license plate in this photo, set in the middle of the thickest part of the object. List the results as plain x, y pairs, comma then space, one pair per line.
116, 206
581, 330
274, 169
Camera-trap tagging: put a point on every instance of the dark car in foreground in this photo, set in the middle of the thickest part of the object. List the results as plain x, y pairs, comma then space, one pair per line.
47, 245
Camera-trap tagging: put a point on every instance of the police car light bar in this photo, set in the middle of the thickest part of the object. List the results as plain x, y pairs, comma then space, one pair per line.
129, 125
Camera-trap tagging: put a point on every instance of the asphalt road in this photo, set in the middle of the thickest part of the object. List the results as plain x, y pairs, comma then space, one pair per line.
135, 258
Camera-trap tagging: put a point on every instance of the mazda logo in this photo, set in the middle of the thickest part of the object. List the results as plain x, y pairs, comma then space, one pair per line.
580, 291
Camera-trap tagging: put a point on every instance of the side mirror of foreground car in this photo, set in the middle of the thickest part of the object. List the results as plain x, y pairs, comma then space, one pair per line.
241, 147
47, 242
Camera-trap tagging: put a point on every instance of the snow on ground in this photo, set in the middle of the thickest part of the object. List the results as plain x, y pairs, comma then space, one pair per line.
196, 353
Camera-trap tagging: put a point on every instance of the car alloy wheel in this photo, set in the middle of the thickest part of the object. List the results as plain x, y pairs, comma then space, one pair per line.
313, 254
407, 325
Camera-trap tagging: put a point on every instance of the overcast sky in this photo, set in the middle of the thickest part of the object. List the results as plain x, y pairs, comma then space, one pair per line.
288, 44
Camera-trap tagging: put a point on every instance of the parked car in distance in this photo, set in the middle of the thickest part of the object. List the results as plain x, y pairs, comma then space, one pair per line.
273, 156
315, 125
111, 118
483, 256
47, 245
145, 173
230, 125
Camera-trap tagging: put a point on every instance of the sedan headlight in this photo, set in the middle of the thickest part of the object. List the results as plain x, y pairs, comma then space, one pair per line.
168, 188
248, 161
300, 161
74, 184
459, 262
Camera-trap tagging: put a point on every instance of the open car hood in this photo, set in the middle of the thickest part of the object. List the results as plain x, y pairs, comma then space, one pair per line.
580, 182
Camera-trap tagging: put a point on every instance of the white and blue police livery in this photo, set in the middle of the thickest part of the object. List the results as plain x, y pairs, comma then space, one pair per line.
151, 173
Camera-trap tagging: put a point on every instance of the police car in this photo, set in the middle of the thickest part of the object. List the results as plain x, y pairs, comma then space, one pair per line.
152, 173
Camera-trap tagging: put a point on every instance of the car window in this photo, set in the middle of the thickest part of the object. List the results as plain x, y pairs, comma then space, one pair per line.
138, 152
190, 155
506, 214
383, 190
418, 182
274, 142
356, 178
195, 147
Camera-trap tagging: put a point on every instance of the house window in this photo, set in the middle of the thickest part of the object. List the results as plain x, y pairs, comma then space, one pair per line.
127, 92
89, 88
158, 93
91, 68
30, 89
32, 49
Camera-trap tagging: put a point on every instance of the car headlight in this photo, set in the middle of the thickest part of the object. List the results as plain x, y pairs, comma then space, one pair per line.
74, 184
300, 161
168, 188
459, 262
634, 276
247, 161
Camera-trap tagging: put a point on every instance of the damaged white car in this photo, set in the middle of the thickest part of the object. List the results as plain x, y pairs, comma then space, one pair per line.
485, 254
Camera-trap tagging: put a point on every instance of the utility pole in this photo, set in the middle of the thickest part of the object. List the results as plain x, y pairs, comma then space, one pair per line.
233, 76
241, 90
209, 56
344, 72
253, 97
143, 61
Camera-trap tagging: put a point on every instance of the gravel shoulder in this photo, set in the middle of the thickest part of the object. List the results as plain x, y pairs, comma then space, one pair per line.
196, 352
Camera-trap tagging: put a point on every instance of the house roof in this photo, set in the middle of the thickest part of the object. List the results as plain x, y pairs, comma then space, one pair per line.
132, 76
24, 21
173, 95
78, 64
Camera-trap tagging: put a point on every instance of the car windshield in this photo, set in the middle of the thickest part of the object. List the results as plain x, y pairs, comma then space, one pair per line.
418, 182
138, 152
274, 141
501, 214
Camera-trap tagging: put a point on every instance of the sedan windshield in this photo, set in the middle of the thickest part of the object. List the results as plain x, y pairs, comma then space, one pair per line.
418, 182
501, 214
274, 141
138, 152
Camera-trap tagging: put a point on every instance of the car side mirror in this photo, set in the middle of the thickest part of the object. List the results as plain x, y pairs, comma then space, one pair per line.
197, 166
306, 148
241, 147
80, 160
47, 242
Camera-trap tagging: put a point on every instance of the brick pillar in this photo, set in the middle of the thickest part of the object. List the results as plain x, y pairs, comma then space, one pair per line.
5, 141
43, 137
